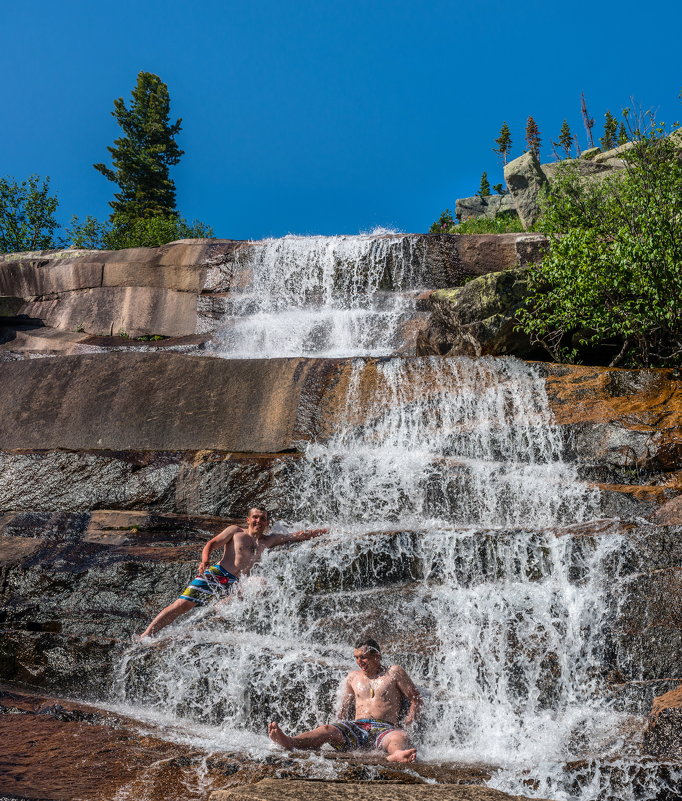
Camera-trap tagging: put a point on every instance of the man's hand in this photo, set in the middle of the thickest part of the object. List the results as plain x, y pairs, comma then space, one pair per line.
203, 566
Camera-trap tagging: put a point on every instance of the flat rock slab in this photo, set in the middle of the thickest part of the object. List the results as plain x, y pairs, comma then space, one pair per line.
288, 790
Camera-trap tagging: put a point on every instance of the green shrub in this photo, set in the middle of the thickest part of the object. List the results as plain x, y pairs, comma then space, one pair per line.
137, 233
504, 223
612, 279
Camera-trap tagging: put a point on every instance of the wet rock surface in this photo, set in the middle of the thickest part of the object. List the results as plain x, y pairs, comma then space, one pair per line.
63, 750
278, 790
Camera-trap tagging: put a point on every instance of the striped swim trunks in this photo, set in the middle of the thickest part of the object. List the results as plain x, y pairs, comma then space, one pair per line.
363, 734
215, 581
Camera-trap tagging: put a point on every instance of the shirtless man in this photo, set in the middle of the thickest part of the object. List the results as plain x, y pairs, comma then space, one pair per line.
243, 546
377, 694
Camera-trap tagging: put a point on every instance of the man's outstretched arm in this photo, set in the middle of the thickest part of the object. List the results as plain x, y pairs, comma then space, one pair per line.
296, 536
220, 539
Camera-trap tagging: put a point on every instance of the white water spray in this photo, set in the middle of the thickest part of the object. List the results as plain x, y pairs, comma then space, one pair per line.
322, 296
445, 491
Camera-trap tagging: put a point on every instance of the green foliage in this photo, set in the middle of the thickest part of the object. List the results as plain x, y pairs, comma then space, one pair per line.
498, 188
504, 223
504, 143
612, 279
610, 138
90, 234
27, 210
622, 134
125, 233
151, 232
484, 188
443, 224
533, 137
143, 155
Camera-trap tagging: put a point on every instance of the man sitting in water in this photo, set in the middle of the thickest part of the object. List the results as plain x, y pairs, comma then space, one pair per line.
243, 546
377, 693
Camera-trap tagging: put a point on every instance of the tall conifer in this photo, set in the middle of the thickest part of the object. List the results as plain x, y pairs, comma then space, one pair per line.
504, 143
610, 138
565, 139
484, 188
533, 137
142, 156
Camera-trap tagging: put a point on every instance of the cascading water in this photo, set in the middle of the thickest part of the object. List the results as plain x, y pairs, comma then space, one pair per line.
322, 296
450, 508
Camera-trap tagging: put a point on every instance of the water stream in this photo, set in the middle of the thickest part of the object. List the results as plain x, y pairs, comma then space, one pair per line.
450, 508
322, 296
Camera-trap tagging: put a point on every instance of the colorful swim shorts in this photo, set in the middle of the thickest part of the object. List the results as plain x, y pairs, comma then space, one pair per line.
365, 733
214, 581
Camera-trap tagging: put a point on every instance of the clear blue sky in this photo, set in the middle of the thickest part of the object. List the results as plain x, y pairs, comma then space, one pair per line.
321, 117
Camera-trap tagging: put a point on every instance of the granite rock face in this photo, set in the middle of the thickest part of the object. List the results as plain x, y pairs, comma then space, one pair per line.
525, 180
477, 319
476, 207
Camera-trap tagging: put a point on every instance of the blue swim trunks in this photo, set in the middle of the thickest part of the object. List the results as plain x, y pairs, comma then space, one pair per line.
363, 734
215, 581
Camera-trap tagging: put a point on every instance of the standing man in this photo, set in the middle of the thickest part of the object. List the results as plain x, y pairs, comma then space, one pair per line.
243, 546
377, 693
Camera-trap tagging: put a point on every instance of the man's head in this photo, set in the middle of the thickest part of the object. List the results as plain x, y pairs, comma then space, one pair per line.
367, 654
257, 520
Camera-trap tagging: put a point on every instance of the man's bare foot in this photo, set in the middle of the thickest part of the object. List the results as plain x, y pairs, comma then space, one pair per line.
408, 755
279, 737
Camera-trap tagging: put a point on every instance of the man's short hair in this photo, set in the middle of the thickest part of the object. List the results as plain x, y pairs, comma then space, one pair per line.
369, 643
258, 509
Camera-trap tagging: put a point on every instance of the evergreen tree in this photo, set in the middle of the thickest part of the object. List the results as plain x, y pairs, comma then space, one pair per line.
533, 137
610, 138
142, 156
622, 134
565, 139
498, 188
484, 188
27, 210
504, 143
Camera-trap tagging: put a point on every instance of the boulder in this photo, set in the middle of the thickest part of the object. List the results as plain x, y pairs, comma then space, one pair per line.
478, 318
525, 180
590, 153
472, 208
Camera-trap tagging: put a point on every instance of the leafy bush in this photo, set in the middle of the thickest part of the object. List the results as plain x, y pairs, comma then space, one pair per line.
27, 210
137, 233
504, 223
612, 279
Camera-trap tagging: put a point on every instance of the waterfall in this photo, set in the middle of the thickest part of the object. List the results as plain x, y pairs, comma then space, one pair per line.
450, 510
322, 296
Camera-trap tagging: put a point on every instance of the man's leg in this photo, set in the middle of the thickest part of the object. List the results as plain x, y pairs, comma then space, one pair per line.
308, 739
167, 616
397, 746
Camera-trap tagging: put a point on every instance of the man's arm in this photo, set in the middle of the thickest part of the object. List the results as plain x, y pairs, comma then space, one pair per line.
408, 689
297, 536
346, 709
220, 539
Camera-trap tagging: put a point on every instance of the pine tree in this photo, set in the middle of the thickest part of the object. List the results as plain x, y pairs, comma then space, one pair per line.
565, 139
142, 156
610, 138
484, 188
622, 134
533, 137
504, 143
